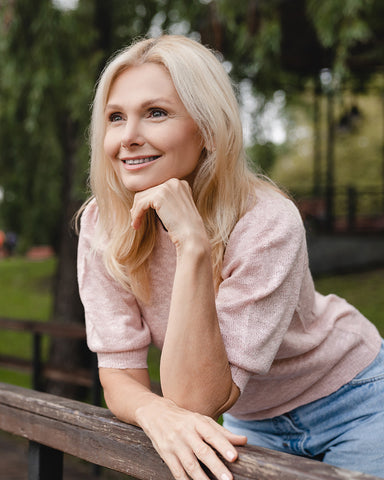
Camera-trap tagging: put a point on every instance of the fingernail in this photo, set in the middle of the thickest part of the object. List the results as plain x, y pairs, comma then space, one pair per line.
230, 455
224, 476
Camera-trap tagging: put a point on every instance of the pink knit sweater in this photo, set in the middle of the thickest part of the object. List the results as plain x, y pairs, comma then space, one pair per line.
287, 344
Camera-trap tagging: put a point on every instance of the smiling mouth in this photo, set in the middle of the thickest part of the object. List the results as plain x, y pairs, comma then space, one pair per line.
139, 161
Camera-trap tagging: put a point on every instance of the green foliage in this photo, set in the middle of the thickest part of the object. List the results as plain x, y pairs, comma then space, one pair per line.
340, 26
263, 156
357, 145
44, 86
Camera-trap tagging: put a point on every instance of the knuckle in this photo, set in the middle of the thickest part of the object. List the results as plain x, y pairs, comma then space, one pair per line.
174, 466
178, 473
191, 466
203, 451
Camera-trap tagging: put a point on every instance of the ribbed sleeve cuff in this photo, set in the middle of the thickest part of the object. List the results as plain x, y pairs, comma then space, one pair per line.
130, 359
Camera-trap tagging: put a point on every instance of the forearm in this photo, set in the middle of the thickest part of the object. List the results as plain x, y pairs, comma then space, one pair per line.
195, 371
125, 391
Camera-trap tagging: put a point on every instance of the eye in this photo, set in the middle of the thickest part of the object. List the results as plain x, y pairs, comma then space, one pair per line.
157, 113
115, 117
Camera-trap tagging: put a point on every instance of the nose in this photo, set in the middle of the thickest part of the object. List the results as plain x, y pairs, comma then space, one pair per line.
132, 135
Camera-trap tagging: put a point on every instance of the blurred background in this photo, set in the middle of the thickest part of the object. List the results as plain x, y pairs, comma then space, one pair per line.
310, 80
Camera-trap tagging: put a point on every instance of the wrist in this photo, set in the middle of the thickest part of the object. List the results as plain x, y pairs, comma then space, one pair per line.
194, 247
150, 406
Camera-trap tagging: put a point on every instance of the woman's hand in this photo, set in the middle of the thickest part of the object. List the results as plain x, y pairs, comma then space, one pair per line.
183, 438
175, 207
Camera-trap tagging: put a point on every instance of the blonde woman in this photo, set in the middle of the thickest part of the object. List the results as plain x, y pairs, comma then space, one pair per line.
182, 246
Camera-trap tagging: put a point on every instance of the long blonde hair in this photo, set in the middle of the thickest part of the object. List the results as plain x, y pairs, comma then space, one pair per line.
223, 182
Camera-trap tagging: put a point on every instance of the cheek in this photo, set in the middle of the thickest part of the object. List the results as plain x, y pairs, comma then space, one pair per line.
188, 139
111, 144
192, 145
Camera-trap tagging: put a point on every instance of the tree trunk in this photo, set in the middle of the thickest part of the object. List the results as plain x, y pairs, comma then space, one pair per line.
67, 304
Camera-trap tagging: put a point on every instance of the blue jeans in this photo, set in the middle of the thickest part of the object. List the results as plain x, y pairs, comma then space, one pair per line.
345, 429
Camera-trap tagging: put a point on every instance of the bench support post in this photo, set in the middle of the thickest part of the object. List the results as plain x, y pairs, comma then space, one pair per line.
44, 463
36, 373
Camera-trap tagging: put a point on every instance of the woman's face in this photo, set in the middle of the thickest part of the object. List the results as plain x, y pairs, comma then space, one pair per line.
150, 137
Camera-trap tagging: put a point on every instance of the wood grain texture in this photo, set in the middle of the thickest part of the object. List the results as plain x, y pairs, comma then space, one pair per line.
94, 434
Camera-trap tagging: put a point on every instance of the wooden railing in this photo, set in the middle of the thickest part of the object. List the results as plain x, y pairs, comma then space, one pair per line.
343, 208
55, 425
42, 371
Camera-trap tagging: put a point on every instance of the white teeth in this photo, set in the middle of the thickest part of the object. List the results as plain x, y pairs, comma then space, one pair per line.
138, 161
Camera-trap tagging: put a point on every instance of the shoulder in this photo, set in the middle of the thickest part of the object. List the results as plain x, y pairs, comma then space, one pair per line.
89, 219
90, 214
269, 240
271, 213
89, 224
270, 233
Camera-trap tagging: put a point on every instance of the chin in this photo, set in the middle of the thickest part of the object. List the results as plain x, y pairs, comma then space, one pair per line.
135, 187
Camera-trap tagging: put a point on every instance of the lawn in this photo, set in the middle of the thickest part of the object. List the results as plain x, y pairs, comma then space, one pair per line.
26, 292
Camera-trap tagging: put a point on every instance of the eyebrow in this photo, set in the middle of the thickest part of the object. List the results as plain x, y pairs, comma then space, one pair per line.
147, 103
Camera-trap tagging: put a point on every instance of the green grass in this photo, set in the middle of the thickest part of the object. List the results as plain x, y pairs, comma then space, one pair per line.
26, 293
26, 288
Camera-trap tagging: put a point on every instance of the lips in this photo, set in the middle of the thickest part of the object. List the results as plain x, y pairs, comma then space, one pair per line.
140, 160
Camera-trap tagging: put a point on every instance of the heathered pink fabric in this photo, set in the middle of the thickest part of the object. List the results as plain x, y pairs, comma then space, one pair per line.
287, 344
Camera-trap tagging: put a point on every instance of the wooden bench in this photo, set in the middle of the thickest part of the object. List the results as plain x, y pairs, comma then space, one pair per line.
54, 425
86, 377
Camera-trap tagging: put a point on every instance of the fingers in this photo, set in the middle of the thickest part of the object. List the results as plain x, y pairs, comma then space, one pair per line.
221, 439
175, 207
186, 464
208, 457
138, 210
234, 438
198, 443
163, 198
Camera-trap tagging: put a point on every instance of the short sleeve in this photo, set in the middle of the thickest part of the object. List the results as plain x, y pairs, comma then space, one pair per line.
263, 269
115, 329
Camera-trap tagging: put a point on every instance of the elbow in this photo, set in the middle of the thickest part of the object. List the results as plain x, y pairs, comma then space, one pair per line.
208, 402
234, 394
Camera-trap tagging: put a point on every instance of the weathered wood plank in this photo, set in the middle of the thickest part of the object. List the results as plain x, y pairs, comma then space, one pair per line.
82, 377
15, 363
93, 434
54, 329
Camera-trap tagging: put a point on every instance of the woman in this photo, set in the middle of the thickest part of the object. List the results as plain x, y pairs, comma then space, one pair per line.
183, 246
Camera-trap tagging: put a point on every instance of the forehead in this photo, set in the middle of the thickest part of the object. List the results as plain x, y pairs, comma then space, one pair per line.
138, 82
